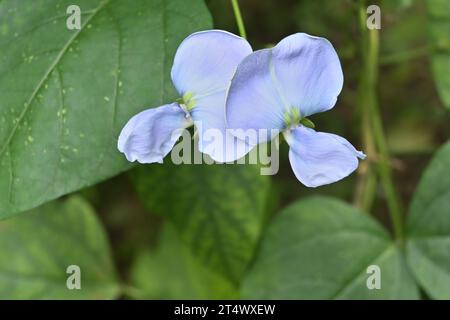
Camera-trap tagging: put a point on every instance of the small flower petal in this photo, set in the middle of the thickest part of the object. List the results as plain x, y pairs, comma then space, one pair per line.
309, 71
205, 62
214, 138
150, 135
308, 67
319, 158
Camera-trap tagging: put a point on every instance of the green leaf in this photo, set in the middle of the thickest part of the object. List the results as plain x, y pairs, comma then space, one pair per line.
67, 93
217, 209
320, 248
37, 247
439, 29
428, 228
172, 272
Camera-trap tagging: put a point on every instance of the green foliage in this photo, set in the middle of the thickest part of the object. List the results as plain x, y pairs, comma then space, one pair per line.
172, 272
320, 248
429, 228
439, 30
218, 210
67, 93
37, 247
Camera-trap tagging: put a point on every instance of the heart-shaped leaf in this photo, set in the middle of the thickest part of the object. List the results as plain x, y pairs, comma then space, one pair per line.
321, 248
67, 93
428, 228
217, 209
38, 248
172, 272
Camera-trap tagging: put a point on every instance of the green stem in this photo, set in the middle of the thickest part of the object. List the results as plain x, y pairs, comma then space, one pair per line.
239, 21
367, 178
370, 77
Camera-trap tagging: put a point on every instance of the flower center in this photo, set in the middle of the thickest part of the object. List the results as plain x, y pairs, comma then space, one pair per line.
187, 102
293, 118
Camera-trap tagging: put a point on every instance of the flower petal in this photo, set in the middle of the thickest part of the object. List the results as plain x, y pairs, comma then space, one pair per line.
205, 62
319, 158
253, 101
214, 138
309, 71
150, 135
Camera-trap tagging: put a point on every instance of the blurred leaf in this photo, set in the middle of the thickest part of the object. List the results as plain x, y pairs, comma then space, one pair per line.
411, 134
172, 272
429, 228
37, 247
320, 248
309, 16
439, 30
398, 21
217, 209
67, 93
398, 5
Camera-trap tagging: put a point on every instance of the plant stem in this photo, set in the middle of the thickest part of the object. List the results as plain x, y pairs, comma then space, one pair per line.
367, 178
239, 21
371, 113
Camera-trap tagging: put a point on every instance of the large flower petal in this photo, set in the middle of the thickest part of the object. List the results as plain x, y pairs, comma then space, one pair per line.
309, 72
319, 158
254, 102
205, 62
150, 135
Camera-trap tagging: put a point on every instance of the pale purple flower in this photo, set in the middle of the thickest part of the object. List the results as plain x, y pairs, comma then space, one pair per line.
202, 70
275, 89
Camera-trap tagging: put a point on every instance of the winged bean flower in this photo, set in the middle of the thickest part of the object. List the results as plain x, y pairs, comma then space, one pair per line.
201, 73
276, 89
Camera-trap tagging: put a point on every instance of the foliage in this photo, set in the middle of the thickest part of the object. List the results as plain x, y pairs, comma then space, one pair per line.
60, 116
166, 231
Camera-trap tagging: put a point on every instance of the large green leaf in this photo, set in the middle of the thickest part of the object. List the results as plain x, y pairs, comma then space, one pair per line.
36, 249
67, 93
439, 29
428, 228
172, 272
320, 248
217, 209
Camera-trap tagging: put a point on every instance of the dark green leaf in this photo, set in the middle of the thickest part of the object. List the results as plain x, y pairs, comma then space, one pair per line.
217, 209
429, 228
320, 248
172, 272
37, 247
67, 93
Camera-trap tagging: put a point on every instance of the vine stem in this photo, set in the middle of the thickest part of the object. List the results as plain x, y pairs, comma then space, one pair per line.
373, 120
239, 20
